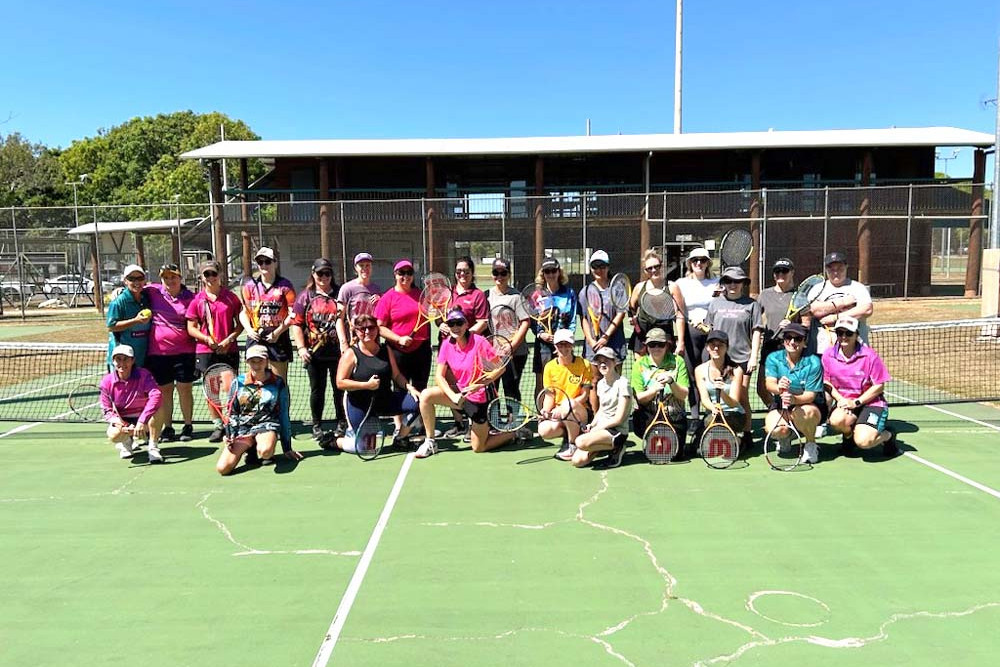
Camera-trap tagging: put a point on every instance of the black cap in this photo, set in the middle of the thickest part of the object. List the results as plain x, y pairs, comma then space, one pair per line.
715, 334
783, 263
501, 263
793, 328
833, 257
550, 263
322, 263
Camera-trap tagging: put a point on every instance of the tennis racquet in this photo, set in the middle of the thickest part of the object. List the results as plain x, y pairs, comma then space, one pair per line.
491, 360
719, 447
660, 443
599, 319
802, 298
371, 434
540, 305
216, 384
503, 321
620, 291
736, 247
658, 306
209, 320
555, 404
85, 402
433, 306
784, 453
508, 414
828, 332
252, 308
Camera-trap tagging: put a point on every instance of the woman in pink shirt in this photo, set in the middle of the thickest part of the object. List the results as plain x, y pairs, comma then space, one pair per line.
130, 399
170, 356
397, 313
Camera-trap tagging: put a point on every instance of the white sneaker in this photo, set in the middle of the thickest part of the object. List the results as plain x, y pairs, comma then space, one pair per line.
785, 444
810, 453
429, 448
154, 454
125, 448
821, 431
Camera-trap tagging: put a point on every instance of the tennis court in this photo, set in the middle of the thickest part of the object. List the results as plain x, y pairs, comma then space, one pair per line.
503, 558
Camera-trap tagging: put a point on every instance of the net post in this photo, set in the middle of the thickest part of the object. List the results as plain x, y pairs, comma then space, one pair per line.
826, 217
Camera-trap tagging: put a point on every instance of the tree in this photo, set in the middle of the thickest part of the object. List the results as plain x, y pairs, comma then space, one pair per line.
30, 174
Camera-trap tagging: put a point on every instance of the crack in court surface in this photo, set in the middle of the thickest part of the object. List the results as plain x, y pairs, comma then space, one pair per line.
246, 550
757, 639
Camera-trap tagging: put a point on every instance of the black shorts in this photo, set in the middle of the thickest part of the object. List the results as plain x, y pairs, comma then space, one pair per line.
205, 360
415, 365
281, 349
170, 368
543, 354
824, 408
476, 412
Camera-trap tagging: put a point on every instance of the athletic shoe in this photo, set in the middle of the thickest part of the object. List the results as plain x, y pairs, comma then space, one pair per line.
810, 453
617, 454
522, 434
457, 430
889, 447
746, 441
317, 432
340, 430
467, 436
566, 452
154, 454
429, 448
187, 433
785, 444
168, 434
821, 431
217, 434
125, 449
267, 462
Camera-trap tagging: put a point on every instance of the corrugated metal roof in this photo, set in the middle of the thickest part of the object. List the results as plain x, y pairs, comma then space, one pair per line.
615, 143
131, 226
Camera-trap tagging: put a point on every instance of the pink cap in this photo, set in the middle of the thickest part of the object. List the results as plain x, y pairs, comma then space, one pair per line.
403, 264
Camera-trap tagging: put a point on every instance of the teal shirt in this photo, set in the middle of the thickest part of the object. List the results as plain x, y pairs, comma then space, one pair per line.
125, 307
806, 376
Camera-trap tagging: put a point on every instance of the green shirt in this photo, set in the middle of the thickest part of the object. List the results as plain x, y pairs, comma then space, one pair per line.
643, 370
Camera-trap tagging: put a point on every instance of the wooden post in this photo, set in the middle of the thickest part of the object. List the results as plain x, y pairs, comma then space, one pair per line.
864, 225
755, 227
539, 213
95, 262
218, 219
324, 208
175, 249
140, 253
246, 249
975, 257
429, 215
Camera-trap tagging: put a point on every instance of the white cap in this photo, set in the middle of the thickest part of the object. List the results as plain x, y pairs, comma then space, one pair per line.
698, 252
264, 252
256, 352
600, 256
563, 336
846, 322
133, 268
125, 350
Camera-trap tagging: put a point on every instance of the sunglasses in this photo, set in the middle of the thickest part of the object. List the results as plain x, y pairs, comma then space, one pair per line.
170, 267
841, 333
727, 281
462, 272
366, 328
794, 339
699, 260
550, 270
500, 274
598, 267
210, 274
654, 267
135, 279
778, 271
655, 344
324, 274
405, 272
264, 261
455, 323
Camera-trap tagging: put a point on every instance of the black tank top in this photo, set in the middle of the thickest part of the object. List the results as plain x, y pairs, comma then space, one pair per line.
367, 366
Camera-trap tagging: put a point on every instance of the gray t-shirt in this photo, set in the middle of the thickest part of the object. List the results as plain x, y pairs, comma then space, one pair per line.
511, 298
609, 397
739, 319
774, 307
352, 288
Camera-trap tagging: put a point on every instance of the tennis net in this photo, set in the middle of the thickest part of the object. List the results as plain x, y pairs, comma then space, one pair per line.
930, 363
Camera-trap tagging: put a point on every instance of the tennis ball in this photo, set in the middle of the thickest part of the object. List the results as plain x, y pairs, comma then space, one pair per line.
145, 312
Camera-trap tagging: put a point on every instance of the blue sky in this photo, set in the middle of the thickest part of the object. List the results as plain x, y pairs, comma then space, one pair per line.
479, 69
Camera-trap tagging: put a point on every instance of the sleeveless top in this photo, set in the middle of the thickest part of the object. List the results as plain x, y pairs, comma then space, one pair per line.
364, 369
727, 387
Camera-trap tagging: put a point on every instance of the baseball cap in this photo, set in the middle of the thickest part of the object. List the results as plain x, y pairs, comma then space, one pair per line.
133, 268
698, 253
168, 269
793, 328
783, 263
501, 263
657, 335
606, 352
550, 263
455, 314
846, 322
563, 336
322, 263
209, 265
265, 252
256, 352
363, 257
715, 334
833, 257
125, 350
600, 256
735, 273
402, 264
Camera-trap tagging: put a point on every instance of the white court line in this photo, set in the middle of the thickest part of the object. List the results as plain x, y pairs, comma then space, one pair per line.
25, 427
953, 474
346, 602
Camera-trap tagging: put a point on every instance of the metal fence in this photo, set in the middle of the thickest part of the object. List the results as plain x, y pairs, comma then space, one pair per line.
917, 236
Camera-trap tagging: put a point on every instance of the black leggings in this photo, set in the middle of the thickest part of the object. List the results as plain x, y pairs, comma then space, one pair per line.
694, 348
319, 372
511, 377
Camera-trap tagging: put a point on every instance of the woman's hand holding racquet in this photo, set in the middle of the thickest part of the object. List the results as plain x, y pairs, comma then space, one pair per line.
404, 341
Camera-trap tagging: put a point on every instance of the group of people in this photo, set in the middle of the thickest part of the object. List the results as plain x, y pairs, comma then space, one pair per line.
371, 347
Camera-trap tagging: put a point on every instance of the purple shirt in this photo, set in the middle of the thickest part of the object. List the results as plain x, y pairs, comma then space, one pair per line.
134, 396
852, 377
169, 335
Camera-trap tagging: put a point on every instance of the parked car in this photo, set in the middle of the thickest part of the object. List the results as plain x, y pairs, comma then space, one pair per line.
14, 292
72, 284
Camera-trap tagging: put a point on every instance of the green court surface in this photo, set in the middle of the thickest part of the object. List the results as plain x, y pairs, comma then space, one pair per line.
501, 559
